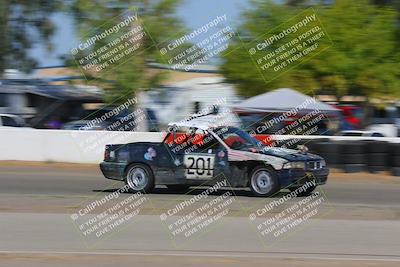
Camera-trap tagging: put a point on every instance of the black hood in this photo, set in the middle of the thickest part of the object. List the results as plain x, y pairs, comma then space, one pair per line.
288, 154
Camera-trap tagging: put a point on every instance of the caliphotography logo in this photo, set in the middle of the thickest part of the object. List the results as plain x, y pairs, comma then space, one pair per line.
199, 133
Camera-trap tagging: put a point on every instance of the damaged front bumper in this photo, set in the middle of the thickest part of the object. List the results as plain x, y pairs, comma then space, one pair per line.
298, 177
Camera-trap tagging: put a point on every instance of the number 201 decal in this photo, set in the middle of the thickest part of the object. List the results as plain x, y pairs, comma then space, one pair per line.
199, 166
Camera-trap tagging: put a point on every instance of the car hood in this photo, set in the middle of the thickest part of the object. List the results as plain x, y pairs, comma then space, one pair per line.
288, 154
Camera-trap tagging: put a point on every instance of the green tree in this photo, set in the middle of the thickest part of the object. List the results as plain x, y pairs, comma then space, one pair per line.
363, 58
160, 24
365, 52
22, 23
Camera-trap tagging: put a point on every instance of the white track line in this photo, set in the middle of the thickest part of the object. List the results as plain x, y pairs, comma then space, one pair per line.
200, 254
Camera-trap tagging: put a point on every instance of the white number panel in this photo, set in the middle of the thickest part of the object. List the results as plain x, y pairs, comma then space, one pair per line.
199, 166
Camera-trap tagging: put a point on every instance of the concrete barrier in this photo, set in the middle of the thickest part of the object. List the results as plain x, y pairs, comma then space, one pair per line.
62, 145
26, 144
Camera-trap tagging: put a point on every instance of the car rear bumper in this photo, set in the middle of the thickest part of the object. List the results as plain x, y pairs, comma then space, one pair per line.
295, 178
113, 170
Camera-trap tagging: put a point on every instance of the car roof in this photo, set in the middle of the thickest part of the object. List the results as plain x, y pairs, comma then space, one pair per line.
203, 123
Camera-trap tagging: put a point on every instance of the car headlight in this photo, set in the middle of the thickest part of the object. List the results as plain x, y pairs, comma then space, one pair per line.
294, 165
323, 163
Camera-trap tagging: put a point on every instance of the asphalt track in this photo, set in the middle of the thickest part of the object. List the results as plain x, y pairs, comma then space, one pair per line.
358, 225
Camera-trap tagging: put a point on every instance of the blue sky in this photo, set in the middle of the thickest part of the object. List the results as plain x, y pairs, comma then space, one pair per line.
194, 13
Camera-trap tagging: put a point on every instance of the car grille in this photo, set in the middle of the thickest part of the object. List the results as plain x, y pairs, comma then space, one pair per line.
314, 165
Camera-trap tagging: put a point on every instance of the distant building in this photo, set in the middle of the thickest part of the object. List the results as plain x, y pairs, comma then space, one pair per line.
180, 99
48, 94
38, 100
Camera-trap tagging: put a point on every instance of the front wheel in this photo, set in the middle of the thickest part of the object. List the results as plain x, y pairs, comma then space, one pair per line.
264, 182
139, 178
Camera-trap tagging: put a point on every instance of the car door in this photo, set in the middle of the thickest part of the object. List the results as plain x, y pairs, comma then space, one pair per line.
177, 146
208, 162
198, 159
199, 166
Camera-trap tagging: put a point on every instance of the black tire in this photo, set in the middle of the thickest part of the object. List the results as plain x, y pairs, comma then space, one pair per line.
396, 161
263, 182
377, 159
376, 146
303, 193
179, 188
327, 147
396, 171
144, 181
353, 147
330, 158
352, 168
395, 149
312, 148
354, 159
312, 145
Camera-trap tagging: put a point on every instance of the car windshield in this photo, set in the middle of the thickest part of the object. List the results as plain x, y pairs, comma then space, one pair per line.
237, 139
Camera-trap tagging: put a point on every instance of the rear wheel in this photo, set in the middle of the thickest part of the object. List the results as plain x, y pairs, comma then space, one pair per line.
139, 178
264, 182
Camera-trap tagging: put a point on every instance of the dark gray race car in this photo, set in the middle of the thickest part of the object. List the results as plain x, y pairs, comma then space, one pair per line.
211, 153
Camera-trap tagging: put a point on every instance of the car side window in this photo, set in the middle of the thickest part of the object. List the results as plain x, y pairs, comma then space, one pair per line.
206, 143
8, 121
377, 135
178, 143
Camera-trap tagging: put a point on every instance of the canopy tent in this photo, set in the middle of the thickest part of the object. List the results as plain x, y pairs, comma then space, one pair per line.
282, 100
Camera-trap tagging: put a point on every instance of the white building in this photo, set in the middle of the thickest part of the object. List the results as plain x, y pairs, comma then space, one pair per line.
179, 100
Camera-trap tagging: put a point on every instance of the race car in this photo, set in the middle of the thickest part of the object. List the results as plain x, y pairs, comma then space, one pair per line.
203, 151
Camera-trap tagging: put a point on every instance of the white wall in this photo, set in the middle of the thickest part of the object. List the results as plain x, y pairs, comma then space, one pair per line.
84, 146
63, 146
